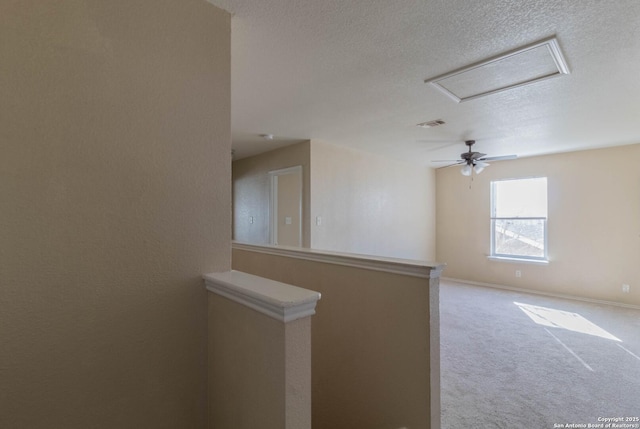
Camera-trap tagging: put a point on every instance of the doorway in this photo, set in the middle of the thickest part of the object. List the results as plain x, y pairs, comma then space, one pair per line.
286, 207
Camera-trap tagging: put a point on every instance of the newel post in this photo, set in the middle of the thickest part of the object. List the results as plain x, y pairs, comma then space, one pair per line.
259, 352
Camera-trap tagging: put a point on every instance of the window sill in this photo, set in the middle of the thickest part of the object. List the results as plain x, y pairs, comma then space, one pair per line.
518, 260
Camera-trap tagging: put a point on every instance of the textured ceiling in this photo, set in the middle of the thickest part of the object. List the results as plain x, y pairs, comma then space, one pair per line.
352, 73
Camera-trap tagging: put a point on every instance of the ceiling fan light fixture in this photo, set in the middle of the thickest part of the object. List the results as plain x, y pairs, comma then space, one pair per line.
479, 166
466, 170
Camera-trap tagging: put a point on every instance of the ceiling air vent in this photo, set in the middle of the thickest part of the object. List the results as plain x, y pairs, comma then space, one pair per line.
431, 124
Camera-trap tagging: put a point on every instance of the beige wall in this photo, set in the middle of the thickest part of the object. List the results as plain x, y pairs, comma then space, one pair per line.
593, 226
289, 208
251, 190
115, 190
371, 350
370, 204
259, 369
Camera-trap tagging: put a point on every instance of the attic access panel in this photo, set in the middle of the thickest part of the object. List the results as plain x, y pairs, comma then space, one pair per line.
523, 66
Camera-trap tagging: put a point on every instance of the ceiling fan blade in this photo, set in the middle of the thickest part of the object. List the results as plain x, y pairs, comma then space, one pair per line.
498, 158
477, 155
454, 164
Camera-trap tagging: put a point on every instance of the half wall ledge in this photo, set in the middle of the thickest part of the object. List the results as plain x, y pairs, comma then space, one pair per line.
275, 299
409, 267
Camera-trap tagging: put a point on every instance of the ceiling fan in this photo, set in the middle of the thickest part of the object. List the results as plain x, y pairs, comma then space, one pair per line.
474, 161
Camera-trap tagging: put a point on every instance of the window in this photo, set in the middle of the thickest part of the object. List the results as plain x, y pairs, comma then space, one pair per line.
519, 218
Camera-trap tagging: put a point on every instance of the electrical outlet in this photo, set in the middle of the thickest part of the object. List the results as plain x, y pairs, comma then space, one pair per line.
518, 273
625, 288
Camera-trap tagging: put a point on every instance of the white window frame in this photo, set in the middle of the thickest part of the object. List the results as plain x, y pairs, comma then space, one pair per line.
504, 256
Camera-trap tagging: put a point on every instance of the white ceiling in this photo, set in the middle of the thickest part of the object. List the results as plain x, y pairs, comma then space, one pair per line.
351, 73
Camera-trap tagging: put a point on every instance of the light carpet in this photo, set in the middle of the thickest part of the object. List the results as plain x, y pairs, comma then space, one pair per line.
514, 360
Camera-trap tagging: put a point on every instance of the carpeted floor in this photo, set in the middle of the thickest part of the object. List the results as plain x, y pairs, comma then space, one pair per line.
513, 360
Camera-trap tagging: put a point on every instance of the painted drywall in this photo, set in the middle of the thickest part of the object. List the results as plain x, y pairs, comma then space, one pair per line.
593, 224
289, 209
251, 190
115, 189
371, 350
372, 205
259, 369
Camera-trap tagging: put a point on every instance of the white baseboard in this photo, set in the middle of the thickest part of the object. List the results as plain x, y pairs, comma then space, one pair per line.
537, 292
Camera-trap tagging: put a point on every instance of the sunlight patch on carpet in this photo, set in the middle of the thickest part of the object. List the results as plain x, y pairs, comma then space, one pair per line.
564, 320
567, 348
630, 352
